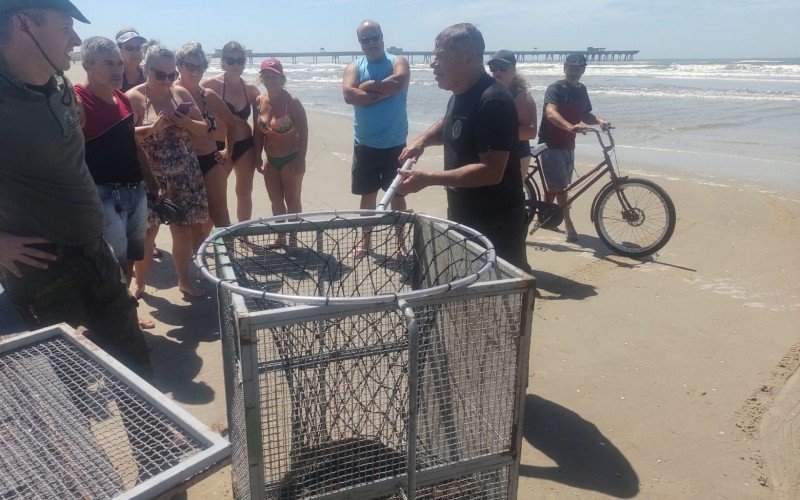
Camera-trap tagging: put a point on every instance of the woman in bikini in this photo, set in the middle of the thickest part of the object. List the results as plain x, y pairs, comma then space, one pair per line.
214, 163
130, 43
164, 133
503, 66
240, 98
282, 131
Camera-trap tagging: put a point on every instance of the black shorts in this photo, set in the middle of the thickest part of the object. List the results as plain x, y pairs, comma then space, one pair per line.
507, 231
374, 169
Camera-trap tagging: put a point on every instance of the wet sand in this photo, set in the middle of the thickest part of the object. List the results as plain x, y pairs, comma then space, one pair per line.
668, 377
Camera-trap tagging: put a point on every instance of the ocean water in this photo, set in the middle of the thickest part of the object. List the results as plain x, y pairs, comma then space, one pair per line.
720, 118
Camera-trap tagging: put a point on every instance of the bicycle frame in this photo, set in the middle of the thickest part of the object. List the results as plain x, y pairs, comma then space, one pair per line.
586, 180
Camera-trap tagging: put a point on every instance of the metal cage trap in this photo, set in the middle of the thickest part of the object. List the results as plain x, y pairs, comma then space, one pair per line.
398, 372
75, 423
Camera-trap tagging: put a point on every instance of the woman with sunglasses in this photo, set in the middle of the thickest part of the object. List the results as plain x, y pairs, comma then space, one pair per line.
503, 66
282, 130
164, 127
239, 97
214, 163
130, 43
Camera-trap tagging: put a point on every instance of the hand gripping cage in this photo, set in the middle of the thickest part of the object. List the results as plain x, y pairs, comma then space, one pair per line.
394, 373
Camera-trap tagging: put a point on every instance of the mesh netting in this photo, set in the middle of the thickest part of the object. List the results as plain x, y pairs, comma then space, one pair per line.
71, 429
332, 384
337, 257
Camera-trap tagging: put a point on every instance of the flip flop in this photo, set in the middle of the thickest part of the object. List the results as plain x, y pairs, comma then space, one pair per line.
572, 236
146, 323
198, 294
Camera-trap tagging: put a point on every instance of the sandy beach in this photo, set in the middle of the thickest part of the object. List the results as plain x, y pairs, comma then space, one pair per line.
670, 377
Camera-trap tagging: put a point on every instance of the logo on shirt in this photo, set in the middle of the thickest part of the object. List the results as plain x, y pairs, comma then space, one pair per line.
456, 131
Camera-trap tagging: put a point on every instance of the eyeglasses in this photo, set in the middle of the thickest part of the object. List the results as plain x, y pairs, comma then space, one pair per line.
235, 61
370, 38
496, 68
192, 67
161, 76
132, 48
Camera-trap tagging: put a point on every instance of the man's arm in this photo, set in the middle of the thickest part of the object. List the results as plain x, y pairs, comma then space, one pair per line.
354, 95
431, 137
554, 117
526, 109
486, 173
591, 119
396, 82
15, 250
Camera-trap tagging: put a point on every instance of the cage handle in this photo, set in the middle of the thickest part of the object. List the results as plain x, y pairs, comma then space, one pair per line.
387, 198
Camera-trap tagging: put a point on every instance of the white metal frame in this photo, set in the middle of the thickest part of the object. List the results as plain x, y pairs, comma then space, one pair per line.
217, 448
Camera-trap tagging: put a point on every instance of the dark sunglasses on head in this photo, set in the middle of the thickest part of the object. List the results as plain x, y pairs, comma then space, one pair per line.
499, 67
235, 61
193, 67
161, 76
370, 38
132, 48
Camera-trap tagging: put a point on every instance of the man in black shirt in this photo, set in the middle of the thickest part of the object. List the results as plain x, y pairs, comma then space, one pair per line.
479, 134
567, 111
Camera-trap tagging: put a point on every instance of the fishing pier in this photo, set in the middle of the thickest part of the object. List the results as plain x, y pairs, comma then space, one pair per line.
592, 54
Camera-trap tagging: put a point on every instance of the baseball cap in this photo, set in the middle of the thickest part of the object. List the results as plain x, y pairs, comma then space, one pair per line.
128, 36
61, 5
575, 60
272, 64
504, 57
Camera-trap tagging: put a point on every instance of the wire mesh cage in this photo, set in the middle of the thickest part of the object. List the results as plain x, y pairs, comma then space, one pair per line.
370, 355
74, 423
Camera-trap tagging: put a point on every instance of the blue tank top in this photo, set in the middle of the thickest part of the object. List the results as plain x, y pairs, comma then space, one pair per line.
384, 124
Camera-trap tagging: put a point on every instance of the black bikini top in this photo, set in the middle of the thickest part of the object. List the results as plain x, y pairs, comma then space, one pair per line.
208, 115
244, 113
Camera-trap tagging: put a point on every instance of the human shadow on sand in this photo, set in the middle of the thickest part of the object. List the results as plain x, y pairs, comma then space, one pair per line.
584, 457
561, 287
174, 355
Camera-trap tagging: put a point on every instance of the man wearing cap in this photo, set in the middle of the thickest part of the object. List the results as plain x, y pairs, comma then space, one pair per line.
479, 132
130, 43
377, 86
54, 264
567, 111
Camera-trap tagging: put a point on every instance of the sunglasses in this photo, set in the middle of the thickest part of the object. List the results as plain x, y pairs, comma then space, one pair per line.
235, 61
132, 48
192, 67
495, 68
161, 76
370, 38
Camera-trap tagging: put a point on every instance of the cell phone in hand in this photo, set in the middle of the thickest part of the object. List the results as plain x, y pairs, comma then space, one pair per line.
184, 107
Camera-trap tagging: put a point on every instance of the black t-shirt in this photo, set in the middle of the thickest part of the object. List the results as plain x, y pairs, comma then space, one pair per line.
573, 104
484, 118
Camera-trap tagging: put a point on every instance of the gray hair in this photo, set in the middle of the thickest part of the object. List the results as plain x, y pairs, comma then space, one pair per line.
7, 20
154, 50
464, 36
95, 45
191, 49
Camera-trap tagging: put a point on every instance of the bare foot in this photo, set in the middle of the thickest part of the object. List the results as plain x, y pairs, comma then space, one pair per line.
572, 235
138, 291
360, 250
146, 323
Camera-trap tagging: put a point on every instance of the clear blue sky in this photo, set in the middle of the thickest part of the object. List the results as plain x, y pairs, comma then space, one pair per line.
659, 28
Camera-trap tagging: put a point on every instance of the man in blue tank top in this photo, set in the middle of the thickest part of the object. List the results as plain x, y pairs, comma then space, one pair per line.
377, 86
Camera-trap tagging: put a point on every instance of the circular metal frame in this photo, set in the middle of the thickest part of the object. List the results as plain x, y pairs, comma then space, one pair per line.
206, 248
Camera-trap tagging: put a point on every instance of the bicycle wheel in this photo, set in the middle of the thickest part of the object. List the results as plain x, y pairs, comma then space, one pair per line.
634, 217
531, 192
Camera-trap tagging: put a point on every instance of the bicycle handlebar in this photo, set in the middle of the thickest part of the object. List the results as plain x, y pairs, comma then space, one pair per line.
600, 137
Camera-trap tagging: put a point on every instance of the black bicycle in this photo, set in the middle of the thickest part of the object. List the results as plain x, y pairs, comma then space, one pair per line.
633, 217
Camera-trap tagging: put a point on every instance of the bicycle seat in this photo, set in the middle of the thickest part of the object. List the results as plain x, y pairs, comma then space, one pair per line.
536, 151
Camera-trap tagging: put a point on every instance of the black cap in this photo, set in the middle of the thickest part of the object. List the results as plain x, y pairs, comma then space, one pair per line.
575, 60
504, 57
61, 5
